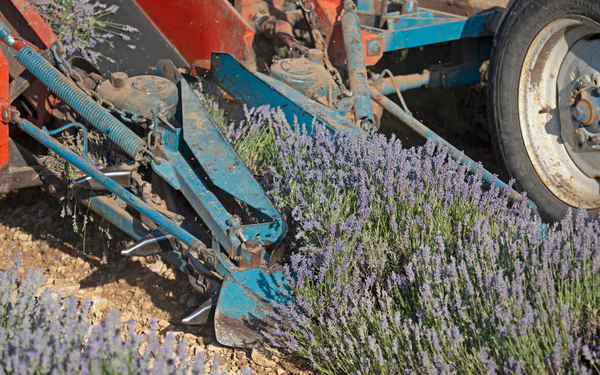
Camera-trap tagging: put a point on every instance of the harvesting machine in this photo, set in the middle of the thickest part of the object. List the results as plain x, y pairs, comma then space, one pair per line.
169, 162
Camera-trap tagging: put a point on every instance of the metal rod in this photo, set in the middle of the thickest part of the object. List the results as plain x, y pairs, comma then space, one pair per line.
424, 131
357, 72
388, 86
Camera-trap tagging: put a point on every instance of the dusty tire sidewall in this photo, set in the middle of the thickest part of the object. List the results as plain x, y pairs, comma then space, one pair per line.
521, 23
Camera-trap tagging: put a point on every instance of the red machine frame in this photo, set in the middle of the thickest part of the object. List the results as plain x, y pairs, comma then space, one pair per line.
226, 28
24, 21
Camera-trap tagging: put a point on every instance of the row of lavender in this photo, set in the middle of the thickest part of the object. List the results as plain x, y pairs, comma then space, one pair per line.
40, 334
407, 263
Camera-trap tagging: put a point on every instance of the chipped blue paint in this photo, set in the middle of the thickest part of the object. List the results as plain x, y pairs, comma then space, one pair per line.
200, 138
429, 27
239, 321
115, 188
259, 89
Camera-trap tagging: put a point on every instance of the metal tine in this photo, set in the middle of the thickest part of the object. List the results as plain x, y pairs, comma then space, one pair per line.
202, 314
156, 242
122, 178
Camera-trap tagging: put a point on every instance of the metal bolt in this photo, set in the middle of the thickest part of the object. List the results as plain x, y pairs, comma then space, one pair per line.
119, 79
584, 82
252, 246
5, 115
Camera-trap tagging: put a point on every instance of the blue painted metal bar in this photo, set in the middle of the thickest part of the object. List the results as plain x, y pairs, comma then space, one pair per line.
181, 234
239, 321
219, 160
413, 31
110, 210
447, 77
201, 138
257, 89
202, 199
355, 62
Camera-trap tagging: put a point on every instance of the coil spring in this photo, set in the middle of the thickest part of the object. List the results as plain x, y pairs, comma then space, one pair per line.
357, 73
95, 114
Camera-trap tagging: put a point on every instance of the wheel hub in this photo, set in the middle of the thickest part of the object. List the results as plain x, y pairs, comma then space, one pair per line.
557, 89
587, 107
579, 105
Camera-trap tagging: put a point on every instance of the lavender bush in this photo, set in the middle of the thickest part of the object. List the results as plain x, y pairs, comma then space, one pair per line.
82, 24
43, 335
408, 264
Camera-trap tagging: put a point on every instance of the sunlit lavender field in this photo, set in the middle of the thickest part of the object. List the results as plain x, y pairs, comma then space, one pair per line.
406, 263
403, 263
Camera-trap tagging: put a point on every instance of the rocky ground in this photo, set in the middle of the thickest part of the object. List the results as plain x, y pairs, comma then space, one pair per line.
140, 288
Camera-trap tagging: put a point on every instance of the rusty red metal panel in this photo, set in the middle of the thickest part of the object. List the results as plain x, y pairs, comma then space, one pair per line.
372, 45
3, 104
199, 27
35, 22
329, 13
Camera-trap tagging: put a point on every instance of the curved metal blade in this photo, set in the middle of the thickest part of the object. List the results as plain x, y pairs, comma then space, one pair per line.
156, 242
202, 313
246, 298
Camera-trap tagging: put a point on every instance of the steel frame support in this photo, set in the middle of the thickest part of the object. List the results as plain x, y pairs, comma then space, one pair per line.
4, 154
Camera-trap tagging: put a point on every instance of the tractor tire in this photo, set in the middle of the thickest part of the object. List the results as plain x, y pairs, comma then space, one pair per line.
545, 54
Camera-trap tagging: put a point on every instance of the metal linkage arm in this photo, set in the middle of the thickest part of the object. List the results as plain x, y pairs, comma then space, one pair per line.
357, 73
122, 193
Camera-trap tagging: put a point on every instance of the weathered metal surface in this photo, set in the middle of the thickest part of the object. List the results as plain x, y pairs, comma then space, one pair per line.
203, 140
146, 95
328, 12
388, 85
257, 89
559, 57
251, 254
217, 22
24, 80
156, 242
309, 78
122, 178
355, 64
428, 27
113, 210
582, 136
4, 117
22, 169
81, 103
23, 21
115, 188
239, 321
202, 314
463, 7
441, 77
28, 23
587, 107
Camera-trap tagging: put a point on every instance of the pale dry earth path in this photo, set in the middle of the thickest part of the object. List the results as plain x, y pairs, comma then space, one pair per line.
140, 288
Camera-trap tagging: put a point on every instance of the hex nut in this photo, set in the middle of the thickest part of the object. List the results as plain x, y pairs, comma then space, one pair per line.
119, 79
252, 246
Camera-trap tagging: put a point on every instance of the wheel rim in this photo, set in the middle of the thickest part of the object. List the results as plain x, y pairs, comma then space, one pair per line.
559, 57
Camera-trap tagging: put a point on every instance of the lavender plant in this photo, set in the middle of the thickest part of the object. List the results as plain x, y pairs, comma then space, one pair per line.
81, 25
408, 264
41, 335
